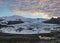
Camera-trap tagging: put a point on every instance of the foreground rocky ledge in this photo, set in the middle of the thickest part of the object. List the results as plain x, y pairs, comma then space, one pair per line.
28, 38
6, 36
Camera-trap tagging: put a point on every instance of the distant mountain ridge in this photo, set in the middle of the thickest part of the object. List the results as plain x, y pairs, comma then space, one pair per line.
16, 17
53, 21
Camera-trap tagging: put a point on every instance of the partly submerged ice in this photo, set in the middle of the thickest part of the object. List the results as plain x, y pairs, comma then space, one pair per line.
25, 28
30, 26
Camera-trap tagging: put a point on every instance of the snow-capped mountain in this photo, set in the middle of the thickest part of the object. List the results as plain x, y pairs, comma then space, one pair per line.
14, 17
24, 19
23, 25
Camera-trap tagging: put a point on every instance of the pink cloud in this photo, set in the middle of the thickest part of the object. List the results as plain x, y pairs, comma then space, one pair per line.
49, 7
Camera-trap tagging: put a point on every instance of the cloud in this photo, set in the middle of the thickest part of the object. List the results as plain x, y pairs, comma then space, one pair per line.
48, 7
1, 2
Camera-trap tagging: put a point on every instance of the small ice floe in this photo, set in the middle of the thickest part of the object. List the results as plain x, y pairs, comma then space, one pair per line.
46, 38
3, 23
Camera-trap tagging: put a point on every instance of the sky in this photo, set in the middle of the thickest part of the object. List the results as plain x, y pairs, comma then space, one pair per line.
30, 8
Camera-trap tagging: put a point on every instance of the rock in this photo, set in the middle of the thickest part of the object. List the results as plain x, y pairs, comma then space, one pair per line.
53, 21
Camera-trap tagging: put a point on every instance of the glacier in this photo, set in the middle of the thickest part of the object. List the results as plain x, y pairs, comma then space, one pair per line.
30, 26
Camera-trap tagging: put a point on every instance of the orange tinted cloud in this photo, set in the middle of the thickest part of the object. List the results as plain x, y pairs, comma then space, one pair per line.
48, 8
1, 2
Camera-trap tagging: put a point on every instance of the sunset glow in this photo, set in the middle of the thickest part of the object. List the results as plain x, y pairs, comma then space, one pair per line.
30, 8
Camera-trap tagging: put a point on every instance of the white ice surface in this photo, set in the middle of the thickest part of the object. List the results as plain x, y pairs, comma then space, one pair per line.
34, 23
